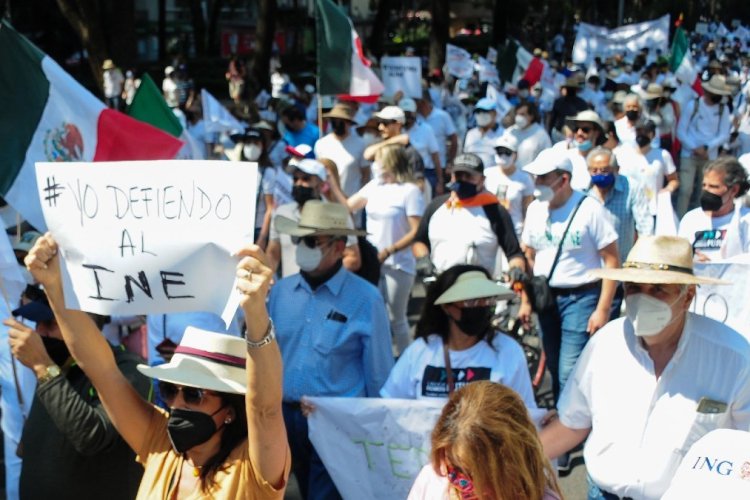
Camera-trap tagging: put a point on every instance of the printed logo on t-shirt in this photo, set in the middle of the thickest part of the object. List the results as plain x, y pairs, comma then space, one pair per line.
435, 381
710, 239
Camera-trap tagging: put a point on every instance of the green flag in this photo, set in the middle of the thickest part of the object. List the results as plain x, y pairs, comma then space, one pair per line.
334, 44
149, 106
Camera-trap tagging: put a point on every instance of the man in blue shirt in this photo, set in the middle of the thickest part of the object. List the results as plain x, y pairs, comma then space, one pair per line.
332, 328
298, 130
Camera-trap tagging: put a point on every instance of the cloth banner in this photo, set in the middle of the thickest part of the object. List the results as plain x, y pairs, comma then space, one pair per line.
503, 104
592, 41
458, 61
725, 303
487, 71
492, 55
402, 73
373, 448
150, 236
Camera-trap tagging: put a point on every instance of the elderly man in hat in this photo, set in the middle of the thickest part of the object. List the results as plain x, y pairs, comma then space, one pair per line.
649, 385
345, 148
335, 341
112, 82
704, 126
588, 132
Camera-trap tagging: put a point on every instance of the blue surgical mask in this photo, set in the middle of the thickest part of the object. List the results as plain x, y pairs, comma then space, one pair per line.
603, 180
585, 145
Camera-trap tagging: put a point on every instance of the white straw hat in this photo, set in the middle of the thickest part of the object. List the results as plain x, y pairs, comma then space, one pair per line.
474, 285
318, 218
207, 360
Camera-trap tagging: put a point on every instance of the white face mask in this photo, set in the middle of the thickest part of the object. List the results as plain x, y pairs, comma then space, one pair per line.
252, 151
523, 94
483, 119
502, 160
308, 259
545, 193
648, 315
369, 138
376, 169
521, 121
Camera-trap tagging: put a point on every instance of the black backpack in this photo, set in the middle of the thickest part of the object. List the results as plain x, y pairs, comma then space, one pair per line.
370, 265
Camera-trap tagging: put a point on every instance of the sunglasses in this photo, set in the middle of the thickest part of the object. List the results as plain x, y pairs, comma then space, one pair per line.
191, 395
503, 151
311, 241
585, 129
387, 122
483, 302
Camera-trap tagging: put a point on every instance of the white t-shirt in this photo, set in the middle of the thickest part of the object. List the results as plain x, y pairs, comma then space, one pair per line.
169, 88
647, 170
510, 190
625, 132
347, 155
288, 249
581, 179
443, 127
589, 232
422, 138
388, 209
718, 237
112, 81
531, 141
483, 145
420, 371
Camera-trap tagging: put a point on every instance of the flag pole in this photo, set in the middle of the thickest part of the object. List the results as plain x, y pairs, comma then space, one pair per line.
19, 394
317, 72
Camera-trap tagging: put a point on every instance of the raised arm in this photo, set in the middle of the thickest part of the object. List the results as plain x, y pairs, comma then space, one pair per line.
129, 412
265, 423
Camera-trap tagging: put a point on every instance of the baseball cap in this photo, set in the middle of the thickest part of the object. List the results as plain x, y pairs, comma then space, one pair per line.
312, 167
485, 104
36, 310
468, 162
549, 161
507, 141
391, 113
300, 151
408, 104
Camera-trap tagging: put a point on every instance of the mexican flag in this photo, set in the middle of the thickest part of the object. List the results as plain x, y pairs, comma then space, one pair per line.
515, 61
681, 63
150, 107
342, 67
45, 115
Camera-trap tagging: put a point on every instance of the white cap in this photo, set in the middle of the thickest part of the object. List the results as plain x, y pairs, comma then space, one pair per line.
408, 104
391, 113
312, 167
508, 141
549, 161
168, 70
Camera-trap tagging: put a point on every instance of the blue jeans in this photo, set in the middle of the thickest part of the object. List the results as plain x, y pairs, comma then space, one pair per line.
594, 493
564, 335
431, 176
312, 476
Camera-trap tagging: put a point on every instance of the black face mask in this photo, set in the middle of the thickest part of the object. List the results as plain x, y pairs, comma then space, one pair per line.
56, 349
642, 140
475, 321
463, 189
302, 194
339, 128
711, 202
632, 115
716, 99
189, 428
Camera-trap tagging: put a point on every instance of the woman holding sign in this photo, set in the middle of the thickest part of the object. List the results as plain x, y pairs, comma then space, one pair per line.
224, 435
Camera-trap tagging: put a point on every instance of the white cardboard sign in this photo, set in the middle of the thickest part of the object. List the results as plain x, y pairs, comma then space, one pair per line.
143, 237
402, 73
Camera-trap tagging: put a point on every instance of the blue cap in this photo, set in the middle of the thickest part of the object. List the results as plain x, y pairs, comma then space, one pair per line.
36, 311
486, 104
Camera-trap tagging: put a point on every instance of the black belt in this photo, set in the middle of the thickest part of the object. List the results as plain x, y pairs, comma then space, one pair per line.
576, 289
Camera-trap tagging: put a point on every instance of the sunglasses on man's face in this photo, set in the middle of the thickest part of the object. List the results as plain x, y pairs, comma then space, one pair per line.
191, 395
585, 129
310, 241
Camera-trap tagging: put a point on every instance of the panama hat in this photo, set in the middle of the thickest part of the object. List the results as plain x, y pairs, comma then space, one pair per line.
474, 285
658, 260
342, 112
318, 218
653, 91
108, 64
587, 116
207, 360
717, 85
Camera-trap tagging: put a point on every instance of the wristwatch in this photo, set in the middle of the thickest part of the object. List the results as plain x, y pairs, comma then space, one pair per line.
52, 372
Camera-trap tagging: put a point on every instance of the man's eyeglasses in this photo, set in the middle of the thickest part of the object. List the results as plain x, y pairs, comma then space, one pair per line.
191, 395
503, 151
387, 122
584, 128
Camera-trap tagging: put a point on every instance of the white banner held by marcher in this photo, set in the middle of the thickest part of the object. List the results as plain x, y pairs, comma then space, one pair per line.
592, 41
402, 73
216, 117
492, 55
666, 219
725, 303
373, 448
149, 236
487, 71
458, 61
503, 104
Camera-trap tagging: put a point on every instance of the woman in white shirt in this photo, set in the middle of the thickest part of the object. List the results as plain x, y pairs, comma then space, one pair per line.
455, 331
394, 206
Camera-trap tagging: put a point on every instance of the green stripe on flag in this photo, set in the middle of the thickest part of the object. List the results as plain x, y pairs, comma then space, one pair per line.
24, 91
334, 40
149, 106
507, 61
680, 47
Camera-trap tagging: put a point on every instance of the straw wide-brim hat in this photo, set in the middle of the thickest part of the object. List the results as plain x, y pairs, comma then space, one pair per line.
717, 85
658, 260
207, 360
342, 112
587, 116
108, 64
653, 91
474, 285
318, 218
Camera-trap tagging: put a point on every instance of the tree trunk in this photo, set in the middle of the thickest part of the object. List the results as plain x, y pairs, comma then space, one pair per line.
199, 27
162, 30
120, 34
212, 42
86, 19
440, 32
376, 41
264, 32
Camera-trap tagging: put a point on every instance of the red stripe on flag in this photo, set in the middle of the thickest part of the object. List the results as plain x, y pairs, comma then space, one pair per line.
698, 86
369, 99
120, 137
534, 71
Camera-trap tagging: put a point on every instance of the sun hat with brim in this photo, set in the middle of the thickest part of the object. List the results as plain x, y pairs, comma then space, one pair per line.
474, 285
108, 64
658, 260
318, 218
548, 161
587, 116
207, 360
27, 241
717, 85
653, 91
341, 112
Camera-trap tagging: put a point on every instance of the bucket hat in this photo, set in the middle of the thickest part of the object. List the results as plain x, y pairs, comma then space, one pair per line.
318, 218
474, 285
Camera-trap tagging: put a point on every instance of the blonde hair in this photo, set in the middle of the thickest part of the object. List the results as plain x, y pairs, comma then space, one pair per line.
393, 160
333, 174
486, 432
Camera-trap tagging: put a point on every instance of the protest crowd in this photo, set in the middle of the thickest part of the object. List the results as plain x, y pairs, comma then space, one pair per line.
593, 199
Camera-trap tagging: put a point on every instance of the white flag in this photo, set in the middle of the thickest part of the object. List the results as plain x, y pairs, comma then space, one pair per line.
216, 117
